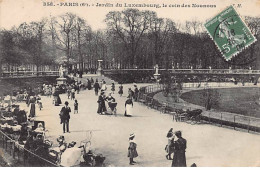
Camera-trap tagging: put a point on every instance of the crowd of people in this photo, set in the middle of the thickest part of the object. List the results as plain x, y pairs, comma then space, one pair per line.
106, 106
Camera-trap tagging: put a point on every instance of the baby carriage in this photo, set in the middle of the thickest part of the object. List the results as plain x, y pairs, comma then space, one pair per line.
112, 108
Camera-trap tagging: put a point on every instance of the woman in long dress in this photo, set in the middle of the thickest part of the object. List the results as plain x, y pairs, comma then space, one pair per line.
32, 107
129, 107
169, 147
104, 86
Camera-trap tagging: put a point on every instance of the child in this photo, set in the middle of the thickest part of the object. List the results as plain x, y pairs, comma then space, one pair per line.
72, 94
120, 90
113, 88
76, 105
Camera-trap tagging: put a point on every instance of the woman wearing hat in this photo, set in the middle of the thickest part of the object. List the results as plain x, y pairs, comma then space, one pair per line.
170, 147
179, 158
132, 152
32, 106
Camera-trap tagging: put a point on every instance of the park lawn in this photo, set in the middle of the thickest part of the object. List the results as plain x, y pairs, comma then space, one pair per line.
244, 100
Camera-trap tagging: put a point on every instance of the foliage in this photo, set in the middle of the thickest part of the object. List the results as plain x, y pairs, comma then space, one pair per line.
133, 39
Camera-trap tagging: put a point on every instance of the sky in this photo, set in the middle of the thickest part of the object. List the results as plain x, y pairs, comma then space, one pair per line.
15, 12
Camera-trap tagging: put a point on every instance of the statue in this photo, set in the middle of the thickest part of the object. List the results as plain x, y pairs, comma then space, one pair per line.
61, 72
156, 69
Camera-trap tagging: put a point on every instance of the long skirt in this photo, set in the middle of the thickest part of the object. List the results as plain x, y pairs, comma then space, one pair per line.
169, 147
57, 100
101, 108
129, 110
32, 110
179, 159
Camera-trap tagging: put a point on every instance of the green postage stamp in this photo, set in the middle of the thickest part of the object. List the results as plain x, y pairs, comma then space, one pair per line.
229, 33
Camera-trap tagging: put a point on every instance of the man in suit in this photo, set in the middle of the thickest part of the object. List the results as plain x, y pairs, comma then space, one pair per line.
65, 117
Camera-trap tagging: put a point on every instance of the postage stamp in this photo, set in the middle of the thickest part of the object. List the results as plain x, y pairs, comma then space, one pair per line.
229, 32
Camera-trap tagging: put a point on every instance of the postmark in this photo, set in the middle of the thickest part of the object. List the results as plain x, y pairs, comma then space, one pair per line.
230, 34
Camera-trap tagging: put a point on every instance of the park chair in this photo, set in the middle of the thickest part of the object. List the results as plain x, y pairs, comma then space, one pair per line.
164, 108
143, 99
150, 103
173, 115
157, 104
180, 116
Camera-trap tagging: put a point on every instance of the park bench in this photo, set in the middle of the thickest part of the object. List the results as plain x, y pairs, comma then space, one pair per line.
150, 102
157, 105
143, 99
164, 108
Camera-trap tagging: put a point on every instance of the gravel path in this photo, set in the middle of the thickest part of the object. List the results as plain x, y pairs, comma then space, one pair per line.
207, 145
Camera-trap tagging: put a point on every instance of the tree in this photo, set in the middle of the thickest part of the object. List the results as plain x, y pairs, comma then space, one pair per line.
81, 32
211, 98
32, 40
64, 35
129, 25
160, 30
254, 26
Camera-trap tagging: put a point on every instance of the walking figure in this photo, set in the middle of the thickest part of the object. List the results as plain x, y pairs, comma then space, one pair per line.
76, 106
132, 152
65, 117
96, 87
72, 94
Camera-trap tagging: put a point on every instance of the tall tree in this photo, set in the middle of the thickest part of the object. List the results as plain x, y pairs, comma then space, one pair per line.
65, 27
129, 25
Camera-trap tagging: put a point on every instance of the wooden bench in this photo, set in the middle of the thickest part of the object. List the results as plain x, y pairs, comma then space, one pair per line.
143, 99
163, 108
150, 103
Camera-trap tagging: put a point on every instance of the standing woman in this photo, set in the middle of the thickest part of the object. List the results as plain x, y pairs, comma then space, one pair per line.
120, 92
89, 84
101, 104
169, 147
129, 107
180, 145
32, 106
104, 86
57, 100
132, 152
72, 93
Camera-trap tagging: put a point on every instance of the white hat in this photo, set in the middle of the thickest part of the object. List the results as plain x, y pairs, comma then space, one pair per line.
132, 135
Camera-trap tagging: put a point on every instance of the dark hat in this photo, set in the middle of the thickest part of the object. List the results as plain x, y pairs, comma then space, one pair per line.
66, 103
178, 133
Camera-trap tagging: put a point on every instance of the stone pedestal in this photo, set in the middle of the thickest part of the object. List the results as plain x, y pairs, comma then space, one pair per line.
61, 80
99, 70
157, 77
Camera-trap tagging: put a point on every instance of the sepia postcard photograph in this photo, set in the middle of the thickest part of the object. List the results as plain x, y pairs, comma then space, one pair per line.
129, 83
